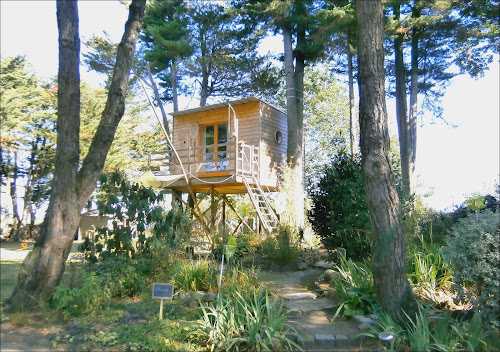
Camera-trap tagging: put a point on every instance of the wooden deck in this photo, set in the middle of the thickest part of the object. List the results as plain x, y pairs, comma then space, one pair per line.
222, 171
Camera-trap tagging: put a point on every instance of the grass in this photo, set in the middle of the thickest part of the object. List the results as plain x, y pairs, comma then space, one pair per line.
11, 258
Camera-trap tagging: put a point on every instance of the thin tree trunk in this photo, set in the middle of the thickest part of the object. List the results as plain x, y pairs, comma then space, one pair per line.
173, 81
176, 195
294, 76
392, 287
401, 107
204, 73
42, 269
15, 233
153, 85
351, 93
412, 125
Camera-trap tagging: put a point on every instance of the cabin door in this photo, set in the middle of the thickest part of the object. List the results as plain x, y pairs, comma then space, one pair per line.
214, 143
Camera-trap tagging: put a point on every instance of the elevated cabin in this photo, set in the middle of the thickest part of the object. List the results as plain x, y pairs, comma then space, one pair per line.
222, 146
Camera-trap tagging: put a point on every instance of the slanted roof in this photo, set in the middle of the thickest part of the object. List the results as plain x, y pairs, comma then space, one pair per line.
217, 106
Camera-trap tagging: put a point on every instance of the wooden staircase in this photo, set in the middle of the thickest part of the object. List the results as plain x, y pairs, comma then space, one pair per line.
265, 211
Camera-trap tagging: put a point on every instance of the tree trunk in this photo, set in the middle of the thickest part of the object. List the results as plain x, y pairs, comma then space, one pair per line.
392, 287
176, 195
294, 75
401, 107
15, 231
351, 93
42, 269
412, 125
153, 85
204, 72
173, 81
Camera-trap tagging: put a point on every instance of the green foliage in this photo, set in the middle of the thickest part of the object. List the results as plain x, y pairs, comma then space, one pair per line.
385, 324
427, 270
246, 320
245, 244
472, 247
28, 131
124, 276
339, 214
93, 295
189, 275
418, 332
326, 115
282, 246
436, 333
139, 221
436, 226
355, 285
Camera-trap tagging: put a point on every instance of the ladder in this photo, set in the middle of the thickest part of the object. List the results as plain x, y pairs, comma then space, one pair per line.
265, 211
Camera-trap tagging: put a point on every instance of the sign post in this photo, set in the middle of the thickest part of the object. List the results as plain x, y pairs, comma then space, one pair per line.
163, 291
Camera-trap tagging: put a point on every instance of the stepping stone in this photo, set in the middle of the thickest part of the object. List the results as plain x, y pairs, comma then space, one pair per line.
363, 320
324, 338
299, 295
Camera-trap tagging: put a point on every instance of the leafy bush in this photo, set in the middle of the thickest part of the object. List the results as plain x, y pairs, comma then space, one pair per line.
124, 276
355, 285
246, 320
436, 227
139, 221
473, 248
90, 297
339, 214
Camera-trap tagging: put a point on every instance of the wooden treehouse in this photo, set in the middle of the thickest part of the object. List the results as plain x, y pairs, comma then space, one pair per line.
227, 148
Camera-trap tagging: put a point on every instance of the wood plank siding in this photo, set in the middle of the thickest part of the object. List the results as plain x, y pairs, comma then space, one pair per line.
253, 130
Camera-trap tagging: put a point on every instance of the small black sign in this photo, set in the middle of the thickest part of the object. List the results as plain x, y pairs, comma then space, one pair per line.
163, 291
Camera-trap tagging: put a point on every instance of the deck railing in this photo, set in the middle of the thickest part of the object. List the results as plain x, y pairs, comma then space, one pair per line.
209, 160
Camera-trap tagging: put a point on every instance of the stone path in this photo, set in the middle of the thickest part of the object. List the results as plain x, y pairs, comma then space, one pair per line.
311, 314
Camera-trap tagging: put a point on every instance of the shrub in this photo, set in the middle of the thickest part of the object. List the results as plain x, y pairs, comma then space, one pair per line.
124, 276
473, 248
139, 221
91, 296
339, 214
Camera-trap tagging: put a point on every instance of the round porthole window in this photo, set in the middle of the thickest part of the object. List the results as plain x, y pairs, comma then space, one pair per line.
278, 137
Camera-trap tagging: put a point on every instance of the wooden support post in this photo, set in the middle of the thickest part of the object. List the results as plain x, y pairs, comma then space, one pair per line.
224, 198
213, 210
223, 217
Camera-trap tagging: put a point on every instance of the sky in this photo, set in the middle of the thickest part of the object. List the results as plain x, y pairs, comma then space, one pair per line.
452, 162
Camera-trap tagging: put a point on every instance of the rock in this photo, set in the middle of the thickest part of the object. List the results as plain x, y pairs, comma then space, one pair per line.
299, 295
194, 303
364, 326
209, 297
302, 265
323, 264
341, 337
330, 275
341, 253
374, 316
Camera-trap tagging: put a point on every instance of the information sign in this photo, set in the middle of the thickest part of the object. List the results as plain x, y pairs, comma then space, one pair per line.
163, 291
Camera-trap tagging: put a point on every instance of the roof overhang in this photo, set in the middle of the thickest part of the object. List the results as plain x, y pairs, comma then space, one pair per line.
217, 106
